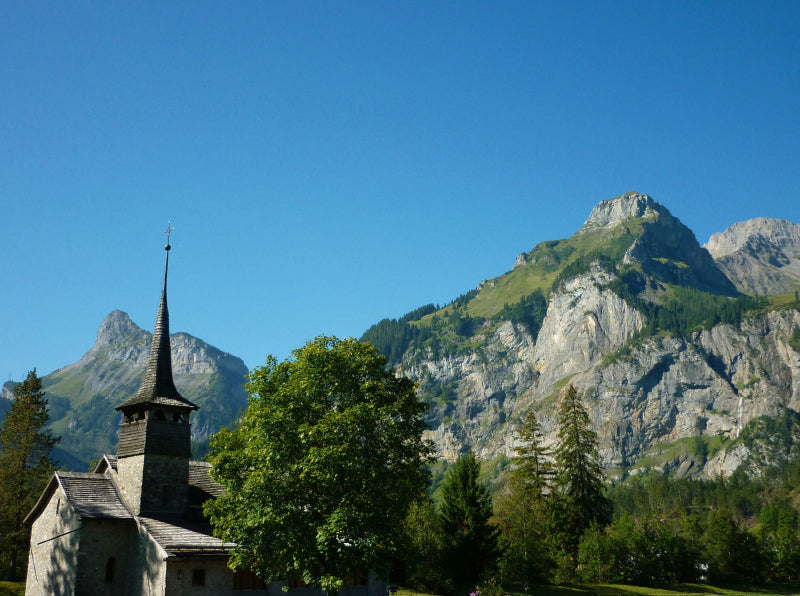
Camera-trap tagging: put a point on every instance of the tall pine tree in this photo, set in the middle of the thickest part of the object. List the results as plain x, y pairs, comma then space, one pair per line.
25, 466
465, 510
522, 509
579, 474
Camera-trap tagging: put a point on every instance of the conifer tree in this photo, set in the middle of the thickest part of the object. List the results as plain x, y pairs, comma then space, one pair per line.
579, 473
470, 550
25, 466
522, 508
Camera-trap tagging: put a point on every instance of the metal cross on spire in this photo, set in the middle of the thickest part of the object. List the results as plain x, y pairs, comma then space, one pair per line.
167, 232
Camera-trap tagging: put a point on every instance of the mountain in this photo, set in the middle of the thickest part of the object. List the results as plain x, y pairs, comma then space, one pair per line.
679, 371
82, 395
761, 256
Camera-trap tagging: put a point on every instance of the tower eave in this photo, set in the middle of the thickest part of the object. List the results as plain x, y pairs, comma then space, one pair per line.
157, 401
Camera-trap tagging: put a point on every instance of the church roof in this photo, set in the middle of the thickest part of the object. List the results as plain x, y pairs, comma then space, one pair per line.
200, 476
92, 496
158, 387
181, 537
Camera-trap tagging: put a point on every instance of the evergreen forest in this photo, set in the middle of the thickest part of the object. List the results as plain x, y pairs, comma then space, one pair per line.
551, 517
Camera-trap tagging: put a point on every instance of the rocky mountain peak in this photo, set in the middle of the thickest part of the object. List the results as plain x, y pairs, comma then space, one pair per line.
612, 212
114, 328
776, 232
761, 256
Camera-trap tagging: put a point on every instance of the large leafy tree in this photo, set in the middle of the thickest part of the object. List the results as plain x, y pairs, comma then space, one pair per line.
579, 474
465, 509
322, 468
25, 466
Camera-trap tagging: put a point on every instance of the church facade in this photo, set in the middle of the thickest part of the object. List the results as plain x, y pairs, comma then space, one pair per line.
134, 525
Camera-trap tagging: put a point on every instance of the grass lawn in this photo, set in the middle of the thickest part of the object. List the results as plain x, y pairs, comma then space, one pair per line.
12, 588
623, 590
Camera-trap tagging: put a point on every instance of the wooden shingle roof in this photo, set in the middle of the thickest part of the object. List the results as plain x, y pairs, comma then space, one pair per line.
200, 476
180, 537
93, 495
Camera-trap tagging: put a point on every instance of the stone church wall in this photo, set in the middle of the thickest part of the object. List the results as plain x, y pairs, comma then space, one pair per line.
199, 577
103, 556
55, 542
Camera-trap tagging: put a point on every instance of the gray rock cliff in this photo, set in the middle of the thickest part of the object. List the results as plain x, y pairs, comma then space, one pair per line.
761, 256
675, 403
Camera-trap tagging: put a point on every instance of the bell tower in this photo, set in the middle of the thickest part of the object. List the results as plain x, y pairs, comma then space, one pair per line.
155, 436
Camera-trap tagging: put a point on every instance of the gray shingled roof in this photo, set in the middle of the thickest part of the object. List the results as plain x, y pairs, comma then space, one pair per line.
179, 537
200, 476
158, 387
92, 495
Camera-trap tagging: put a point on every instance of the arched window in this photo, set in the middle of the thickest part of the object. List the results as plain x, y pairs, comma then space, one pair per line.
110, 570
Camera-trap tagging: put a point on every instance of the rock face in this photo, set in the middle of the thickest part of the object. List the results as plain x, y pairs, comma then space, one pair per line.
584, 321
612, 212
761, 256
82, 395
676, 403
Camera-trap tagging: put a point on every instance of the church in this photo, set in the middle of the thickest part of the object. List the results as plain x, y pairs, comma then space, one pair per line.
135, 525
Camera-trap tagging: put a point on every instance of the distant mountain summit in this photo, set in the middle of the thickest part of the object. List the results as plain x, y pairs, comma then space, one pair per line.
761, 256
115, 328
664, 247
612, 212
82, 395
679, 371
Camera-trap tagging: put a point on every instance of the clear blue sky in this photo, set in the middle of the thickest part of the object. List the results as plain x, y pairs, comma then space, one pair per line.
329, 164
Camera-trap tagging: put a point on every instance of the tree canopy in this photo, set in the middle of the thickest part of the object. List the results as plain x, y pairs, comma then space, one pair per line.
465, 511
579, 475
322, 468
522, 510
25, 466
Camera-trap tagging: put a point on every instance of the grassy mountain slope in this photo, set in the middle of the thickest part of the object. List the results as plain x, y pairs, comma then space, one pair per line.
82, 395
595, 309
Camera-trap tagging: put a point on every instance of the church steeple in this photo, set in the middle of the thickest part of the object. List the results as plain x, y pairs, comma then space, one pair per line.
155, 436
158, 386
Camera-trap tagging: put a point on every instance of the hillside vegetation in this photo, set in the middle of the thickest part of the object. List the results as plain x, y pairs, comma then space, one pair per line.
630, 287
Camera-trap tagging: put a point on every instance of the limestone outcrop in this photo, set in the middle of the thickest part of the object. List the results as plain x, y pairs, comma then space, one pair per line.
761, 256
678, 403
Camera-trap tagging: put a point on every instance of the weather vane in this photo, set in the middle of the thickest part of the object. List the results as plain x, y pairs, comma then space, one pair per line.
167, 232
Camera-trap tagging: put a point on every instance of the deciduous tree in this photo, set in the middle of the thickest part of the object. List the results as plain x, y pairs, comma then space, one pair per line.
322, 468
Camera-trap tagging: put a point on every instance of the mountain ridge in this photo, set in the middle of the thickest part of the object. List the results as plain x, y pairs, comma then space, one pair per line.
639, 317
82, 395
675, 364
761, 256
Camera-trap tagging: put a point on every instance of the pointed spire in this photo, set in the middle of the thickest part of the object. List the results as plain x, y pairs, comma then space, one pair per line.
158, 386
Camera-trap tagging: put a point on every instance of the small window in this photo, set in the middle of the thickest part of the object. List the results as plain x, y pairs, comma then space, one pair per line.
159, 415
198, 577
110, 570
